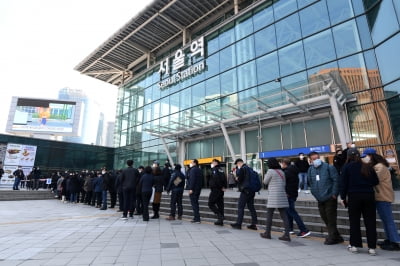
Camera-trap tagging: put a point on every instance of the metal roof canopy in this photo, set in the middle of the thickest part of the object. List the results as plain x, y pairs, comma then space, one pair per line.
161, 24
276, 104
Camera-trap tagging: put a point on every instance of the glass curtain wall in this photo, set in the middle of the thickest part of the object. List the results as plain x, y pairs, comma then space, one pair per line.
294, 42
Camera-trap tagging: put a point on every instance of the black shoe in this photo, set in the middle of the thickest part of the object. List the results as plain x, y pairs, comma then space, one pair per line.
390, 246
331, 242
103, 208
236, 226
219, 222
195, 221
155, 217
266, 235
252, 227
284, 238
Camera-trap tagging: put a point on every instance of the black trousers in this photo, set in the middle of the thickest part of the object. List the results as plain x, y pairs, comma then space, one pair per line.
113, 198
176, 201
216, 202
88, 198
362, 204
139, 203
121, 200
284, 217
246, 198
328, 212
194, 200
145, 204
98, 197
129, 201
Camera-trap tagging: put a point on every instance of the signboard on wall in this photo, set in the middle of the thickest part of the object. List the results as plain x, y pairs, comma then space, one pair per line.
20, 154
295, 151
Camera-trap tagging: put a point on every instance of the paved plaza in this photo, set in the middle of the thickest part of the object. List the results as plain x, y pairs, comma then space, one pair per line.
48, 232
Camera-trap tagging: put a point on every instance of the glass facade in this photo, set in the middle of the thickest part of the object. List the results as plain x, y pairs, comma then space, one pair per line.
272, 48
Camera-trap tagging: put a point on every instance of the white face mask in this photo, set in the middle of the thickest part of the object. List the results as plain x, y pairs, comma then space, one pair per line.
190, 165
212, 165
353, 145
366, 159
301, 157
103, 172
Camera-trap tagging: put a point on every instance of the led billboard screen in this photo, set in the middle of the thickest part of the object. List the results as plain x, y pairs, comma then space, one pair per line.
43, 115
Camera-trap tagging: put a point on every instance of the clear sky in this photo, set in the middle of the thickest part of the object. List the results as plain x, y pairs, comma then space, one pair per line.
41, 41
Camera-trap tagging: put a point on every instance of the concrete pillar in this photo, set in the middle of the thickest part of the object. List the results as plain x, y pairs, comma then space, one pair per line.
243, 145
236, 6
338, 120
346, 125
228, 142
181, 151
167, 152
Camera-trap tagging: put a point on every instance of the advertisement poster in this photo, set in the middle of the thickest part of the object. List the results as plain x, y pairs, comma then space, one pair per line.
8, 179
44, 115
19, 154
3, 148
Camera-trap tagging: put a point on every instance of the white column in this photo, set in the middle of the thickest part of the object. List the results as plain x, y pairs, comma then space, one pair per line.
228, 142
236, 6
338, 120
346, 125
243, 144
181, 151
167, 152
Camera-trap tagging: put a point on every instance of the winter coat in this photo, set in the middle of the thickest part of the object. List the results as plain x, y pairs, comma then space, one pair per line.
74, 184
98, 184
129, 178
158, 183
302, 165
384, 190
146, 183
87, 185
195, 181
292, 181
277, 198
218, 178
328, 184
59, 183
172, 185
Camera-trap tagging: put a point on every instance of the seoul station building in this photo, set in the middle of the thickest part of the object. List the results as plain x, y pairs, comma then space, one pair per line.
253, 79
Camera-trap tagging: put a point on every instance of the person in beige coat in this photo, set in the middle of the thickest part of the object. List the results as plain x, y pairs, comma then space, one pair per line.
277, 199
384, 196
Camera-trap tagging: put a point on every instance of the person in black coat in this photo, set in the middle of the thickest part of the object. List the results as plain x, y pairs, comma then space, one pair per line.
218, 184
139, 203
146, 184
167, 171
176, 185
111, 188
129, 179
291, 187
303, 165
158, 189
195, 184
74, 187
105, 188
118, 188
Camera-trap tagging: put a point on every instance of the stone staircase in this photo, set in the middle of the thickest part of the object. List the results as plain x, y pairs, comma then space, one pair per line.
12, 195
308, 210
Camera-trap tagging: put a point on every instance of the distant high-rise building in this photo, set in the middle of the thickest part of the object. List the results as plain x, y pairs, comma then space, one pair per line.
110, 134
92, 119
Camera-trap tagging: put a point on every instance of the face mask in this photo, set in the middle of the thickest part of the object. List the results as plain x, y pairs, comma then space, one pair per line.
238, 167
212, 165
353, 145
190, 165
366, 159
103, 172
301, 157
317, 163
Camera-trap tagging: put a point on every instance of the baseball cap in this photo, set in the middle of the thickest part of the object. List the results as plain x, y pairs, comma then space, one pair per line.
368, 151
352, 151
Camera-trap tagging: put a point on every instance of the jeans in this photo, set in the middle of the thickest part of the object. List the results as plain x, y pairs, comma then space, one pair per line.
16, 183
328, 211
97, 198
72, 197
104, 199
246, 198
362, 203
194, 201
292, 214
216, 202
176, 201
303, 180
283, 214
385, 213
145, 204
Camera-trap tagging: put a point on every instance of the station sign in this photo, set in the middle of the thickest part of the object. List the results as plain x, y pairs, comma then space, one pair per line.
182, 63
295, 151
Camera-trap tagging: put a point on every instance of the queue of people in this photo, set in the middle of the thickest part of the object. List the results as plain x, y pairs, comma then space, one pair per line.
363, 182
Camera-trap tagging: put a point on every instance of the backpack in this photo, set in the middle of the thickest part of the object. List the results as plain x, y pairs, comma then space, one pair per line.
254, 180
